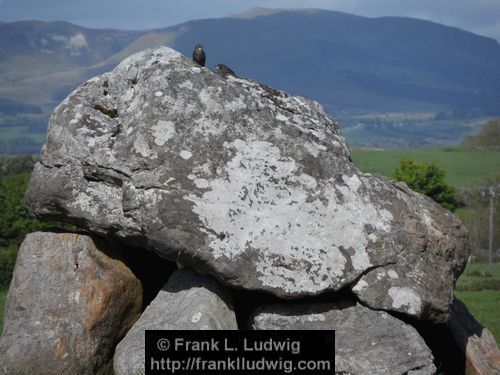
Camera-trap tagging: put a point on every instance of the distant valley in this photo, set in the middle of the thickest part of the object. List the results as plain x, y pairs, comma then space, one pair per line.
391, 82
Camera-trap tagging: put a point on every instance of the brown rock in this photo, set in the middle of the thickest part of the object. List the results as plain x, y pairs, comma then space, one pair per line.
70, 302
482, 355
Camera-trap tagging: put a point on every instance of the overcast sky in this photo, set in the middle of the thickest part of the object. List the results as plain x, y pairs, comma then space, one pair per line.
479, 16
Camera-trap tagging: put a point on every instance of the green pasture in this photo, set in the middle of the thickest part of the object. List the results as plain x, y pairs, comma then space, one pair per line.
481, 294
463, 167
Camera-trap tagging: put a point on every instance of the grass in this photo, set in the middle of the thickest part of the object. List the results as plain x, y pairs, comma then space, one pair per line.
481, 295
473, 276
485, 306
462, 166
3, 296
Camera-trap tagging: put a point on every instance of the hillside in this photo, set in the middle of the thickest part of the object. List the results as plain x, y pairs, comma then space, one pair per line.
354, 66
350, 62
40, 62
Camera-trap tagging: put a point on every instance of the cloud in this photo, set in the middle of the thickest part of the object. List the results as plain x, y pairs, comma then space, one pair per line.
78, 41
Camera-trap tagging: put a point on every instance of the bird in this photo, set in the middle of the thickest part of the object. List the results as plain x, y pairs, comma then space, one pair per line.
224, 70
199, 55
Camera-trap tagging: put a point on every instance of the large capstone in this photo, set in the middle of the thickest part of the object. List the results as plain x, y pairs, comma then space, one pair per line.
244, 182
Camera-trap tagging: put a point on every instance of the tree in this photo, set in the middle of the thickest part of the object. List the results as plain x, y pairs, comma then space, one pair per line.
15, 223
488, 137
7, 262
427, 179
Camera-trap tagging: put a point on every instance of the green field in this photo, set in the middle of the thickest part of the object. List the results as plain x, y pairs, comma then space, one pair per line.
3, 295
481, 295
463, 166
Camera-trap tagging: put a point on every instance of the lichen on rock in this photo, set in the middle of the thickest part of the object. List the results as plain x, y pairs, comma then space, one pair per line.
242, 181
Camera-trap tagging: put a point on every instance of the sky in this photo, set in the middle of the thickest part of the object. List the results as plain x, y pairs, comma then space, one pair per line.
479, 16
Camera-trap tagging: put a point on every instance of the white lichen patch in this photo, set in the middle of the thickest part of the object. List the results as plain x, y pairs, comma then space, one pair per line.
405, 299
163, 131
352, 182
315, 318
393, 274
76, 119
201, 183
294, 223
281, 117
171, 179
127, 96
141, 146
312, 148
360, 286
185, 154
196, 317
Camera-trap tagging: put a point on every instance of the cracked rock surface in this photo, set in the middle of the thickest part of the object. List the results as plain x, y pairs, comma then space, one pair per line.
188, 301
366, 341
244, 182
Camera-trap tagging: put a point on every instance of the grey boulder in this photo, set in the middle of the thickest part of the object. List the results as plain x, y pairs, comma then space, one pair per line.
244, 182
367, 342
70, 302
188, 301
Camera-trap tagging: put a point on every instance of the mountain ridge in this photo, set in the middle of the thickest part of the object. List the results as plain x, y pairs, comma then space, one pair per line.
366, 56
353, 65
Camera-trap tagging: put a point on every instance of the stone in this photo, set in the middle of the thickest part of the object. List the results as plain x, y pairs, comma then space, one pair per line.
482, 355
188, 301
71, 300
223, 174
366, 341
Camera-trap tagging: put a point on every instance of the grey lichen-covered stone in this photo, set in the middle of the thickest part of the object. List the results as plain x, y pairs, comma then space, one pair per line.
71, 300
241, 181
366, 341
188, 301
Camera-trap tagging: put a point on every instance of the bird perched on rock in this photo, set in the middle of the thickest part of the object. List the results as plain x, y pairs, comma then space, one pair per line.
224, 70
199, 55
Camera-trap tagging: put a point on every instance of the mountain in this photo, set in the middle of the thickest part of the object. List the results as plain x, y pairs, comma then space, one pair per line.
40, 62
353, 62
352, 65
